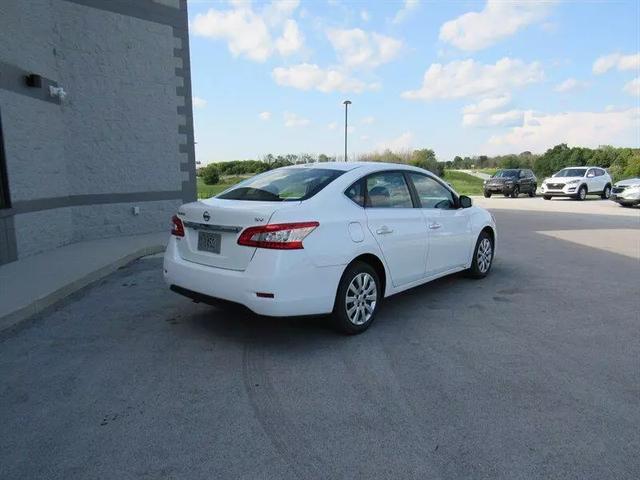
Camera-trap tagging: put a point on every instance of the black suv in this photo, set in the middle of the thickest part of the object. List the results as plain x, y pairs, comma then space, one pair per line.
511, 183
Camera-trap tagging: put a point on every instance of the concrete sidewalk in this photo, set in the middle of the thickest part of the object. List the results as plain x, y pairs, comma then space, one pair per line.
32, 284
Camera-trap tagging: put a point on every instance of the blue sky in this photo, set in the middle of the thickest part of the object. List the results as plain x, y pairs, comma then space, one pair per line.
461, 77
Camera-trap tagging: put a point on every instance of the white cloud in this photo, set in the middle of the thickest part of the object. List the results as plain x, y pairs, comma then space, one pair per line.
368, 120
499, 19
198, 102
365, 16
265, 116
400, 143
307, 76
589, 129
291, 40
407, 8
633, 87
364, 138
570, 85
465, 78
294, 120
332, 126
616, 60
487, 105
510, 118
251, 34
357, 48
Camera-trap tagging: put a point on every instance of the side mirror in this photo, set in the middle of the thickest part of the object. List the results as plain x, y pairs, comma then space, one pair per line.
465, 202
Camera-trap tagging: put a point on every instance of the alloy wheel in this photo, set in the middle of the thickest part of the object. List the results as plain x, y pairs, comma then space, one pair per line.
361, 298
485, 252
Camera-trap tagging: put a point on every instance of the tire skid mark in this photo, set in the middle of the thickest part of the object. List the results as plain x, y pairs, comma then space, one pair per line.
370, 382
281, 430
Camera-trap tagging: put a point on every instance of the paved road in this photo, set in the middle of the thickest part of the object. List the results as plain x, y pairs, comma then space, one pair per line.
533, 372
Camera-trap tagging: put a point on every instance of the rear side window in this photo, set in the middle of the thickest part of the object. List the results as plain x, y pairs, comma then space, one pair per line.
432, 194
283, 185
356, 193
387, 190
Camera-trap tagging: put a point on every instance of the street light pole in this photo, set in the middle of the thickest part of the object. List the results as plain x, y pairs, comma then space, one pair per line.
346, 109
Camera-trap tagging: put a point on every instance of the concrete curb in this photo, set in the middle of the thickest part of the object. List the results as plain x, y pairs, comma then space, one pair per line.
39, 304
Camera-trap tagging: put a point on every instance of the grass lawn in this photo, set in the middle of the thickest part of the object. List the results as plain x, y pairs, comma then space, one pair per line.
206, 191
463, 183
489, 171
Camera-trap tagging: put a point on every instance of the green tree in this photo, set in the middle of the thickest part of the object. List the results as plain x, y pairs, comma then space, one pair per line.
210, 174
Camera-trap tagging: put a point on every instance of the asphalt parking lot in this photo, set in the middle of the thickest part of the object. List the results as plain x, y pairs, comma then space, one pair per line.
533, 372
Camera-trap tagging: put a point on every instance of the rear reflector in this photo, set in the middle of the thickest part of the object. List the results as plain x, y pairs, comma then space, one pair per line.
177, 228
280, 236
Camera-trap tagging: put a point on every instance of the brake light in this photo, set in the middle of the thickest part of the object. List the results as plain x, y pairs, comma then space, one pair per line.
177, 227
280, 236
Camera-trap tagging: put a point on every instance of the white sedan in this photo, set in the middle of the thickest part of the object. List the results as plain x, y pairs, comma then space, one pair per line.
326, 238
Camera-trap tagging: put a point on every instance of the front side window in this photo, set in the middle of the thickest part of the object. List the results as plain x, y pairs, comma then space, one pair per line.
282, 185
432, 194
387, 190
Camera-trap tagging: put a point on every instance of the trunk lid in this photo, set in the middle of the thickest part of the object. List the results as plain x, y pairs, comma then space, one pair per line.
212, 228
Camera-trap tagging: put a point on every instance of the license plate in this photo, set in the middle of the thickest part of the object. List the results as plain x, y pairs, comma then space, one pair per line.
209, 242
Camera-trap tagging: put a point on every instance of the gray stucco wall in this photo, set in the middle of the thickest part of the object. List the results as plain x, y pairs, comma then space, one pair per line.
124, 128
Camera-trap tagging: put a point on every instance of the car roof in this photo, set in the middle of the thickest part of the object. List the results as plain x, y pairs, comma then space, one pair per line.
348, 166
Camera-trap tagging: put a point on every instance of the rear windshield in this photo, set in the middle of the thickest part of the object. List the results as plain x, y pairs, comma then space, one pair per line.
571, 172
283, 185
506, 173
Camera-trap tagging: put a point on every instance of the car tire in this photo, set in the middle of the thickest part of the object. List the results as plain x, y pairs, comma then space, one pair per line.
481, 264
606, 193
546, 197
358, 279
515, 192
582, 193
532, 192
487, 195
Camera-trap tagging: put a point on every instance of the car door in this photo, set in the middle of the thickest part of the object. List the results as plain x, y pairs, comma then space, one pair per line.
449, 227
398, 227
525, 184
593, 185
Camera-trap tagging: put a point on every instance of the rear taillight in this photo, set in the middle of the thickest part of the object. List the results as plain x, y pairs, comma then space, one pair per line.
177, 227
280, 236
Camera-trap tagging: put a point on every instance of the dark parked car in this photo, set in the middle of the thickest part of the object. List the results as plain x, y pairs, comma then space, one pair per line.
511, 182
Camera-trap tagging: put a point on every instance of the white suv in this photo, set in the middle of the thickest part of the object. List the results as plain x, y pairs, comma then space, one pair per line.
577, 182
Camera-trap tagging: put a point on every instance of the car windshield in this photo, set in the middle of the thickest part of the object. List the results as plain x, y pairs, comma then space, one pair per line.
506, 173
282, 185
571, 172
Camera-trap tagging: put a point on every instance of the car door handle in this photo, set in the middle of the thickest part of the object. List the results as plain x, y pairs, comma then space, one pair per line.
384, 230
434, 226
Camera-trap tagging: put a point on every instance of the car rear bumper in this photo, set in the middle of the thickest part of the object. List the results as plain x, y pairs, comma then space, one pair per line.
298, 286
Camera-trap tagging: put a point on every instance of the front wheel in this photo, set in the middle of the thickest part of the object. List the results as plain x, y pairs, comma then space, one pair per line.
482, 256
487, 194
515, 192
357, 300
582, 193
547, 197
606, 193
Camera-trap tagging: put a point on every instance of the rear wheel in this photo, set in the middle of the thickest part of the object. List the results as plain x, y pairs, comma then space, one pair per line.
515, 192
582, 193
532, 192
482, 256
357, 300
606, 193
